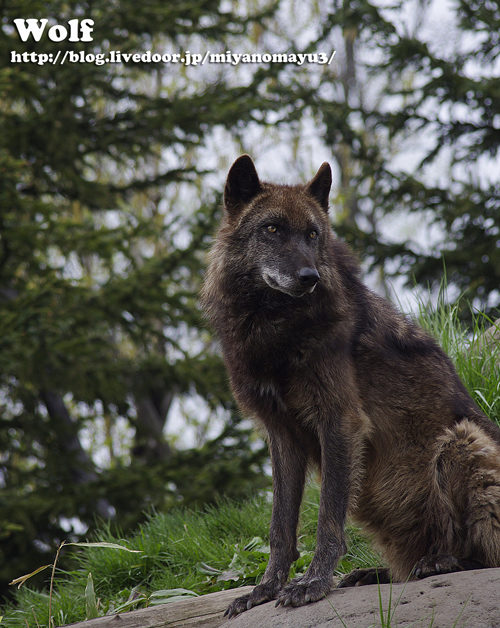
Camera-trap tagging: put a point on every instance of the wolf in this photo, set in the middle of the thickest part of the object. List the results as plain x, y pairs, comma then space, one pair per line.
338, 378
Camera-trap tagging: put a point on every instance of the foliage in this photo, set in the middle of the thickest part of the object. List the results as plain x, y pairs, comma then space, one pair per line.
474, 351
110, 189
100, 264
182, 553
412, 121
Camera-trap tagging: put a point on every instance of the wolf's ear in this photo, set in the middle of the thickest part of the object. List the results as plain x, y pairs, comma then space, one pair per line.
242, 184
319, 186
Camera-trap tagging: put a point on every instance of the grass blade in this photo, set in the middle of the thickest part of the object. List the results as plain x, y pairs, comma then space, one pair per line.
105, 545
22, 579
90, 599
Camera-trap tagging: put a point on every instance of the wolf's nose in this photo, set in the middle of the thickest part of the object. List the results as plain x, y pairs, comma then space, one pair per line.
308, 276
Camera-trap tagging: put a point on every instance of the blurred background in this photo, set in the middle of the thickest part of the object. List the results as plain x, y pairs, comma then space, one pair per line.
113, 397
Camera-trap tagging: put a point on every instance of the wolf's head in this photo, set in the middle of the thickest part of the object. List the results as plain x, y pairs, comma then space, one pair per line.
283, 227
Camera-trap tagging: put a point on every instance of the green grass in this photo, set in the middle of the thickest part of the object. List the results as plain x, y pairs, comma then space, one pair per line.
224, 546
201, 551
476, 360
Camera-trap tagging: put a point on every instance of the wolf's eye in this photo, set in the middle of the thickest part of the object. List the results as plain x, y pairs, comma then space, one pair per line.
313, 234
272, 228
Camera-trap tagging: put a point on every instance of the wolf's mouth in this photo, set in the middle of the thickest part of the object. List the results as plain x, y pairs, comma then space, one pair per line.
286, 285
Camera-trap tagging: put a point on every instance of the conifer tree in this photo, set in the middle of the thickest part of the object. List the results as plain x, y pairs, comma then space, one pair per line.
415, 122
100, 262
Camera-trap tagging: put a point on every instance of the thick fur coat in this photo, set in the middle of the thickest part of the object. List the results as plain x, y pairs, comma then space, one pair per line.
340, 379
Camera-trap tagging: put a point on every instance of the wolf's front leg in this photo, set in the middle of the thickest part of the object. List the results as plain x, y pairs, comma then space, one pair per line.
335, 465
289, 466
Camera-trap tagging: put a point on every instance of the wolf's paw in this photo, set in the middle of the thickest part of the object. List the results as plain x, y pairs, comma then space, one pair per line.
260, 594
237, 606
360, 577
301, 591
434, 564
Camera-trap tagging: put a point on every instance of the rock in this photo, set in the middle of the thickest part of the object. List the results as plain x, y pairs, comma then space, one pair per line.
492, 334
489, 341
468, 599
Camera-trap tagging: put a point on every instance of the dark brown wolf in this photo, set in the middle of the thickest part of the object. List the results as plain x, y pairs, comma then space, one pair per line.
339, 378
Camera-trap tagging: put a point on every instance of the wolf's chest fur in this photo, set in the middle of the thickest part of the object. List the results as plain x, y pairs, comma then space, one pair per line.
280, 367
